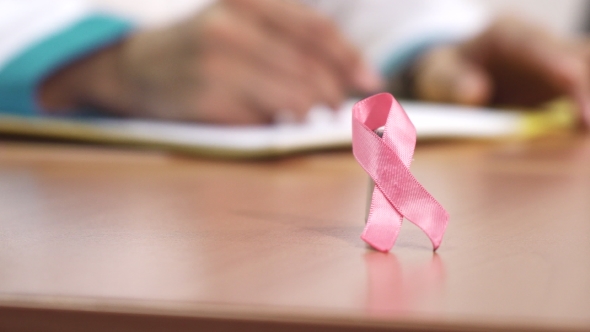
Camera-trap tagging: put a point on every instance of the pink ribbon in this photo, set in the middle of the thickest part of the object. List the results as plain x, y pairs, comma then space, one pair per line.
397, 193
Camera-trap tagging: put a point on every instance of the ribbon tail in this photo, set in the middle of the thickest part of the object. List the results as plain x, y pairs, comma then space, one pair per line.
383, 223
434, 226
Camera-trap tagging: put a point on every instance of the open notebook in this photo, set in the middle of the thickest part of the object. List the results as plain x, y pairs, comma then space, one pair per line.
324, 129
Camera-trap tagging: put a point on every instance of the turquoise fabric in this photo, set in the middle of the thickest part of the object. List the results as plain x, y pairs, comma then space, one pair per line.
20, 78
401, 58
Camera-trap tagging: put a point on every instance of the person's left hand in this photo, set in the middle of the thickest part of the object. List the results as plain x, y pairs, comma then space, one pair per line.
511, 63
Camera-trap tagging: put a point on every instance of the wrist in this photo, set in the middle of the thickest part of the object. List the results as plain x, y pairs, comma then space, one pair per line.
94, 81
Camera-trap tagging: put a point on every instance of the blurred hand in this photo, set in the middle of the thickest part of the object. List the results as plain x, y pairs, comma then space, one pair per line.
512, 63
239, 61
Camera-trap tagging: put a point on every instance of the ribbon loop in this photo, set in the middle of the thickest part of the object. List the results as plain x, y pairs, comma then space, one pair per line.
387, 159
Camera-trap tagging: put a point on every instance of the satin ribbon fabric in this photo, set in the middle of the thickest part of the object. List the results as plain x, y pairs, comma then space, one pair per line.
397, 194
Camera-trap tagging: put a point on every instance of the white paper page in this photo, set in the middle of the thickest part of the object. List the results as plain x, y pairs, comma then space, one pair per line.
323, 129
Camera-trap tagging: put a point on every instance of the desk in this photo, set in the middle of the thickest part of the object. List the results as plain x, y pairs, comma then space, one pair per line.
99, 239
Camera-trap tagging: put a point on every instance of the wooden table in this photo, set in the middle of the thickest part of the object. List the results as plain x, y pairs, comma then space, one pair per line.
99, 239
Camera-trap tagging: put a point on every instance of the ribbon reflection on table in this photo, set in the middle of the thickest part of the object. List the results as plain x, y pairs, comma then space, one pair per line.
397, 285
387, 159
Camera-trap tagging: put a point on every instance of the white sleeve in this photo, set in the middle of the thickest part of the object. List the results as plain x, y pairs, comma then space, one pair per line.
389, 32
38, 37
23, 23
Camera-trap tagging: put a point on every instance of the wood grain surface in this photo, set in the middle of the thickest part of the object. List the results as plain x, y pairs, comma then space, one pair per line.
101, 239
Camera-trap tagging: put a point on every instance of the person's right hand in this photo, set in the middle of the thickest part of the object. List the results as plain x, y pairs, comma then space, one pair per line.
239, 61
513, 62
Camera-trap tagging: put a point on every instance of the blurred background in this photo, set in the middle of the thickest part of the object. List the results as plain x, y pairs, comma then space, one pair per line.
566, 17
563, 16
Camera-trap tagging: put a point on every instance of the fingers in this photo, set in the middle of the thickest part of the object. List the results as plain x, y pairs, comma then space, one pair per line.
260, 89
234, 77
264, 69
268, 54
245, 61
537, 52
317, 36
215, 107
222, 100
445, 75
